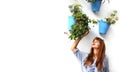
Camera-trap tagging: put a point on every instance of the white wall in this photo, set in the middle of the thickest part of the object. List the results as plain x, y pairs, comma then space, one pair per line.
32, 38
110, 38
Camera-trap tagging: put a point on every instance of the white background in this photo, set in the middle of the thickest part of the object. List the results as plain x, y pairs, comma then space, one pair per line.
32, 36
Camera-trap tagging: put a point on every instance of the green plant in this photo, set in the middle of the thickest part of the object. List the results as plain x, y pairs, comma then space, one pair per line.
91, 0
81, 22
113, 17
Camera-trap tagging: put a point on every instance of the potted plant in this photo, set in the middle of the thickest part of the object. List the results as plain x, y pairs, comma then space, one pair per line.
105, 24
79, 24
95, 5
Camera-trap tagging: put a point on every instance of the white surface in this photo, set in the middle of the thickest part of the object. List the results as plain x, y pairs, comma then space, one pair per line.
110, 38
32, 38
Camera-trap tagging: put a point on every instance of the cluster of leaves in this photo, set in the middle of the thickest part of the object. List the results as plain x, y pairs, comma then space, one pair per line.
77, 31
91, 0
113, 17
80, 27
81, 22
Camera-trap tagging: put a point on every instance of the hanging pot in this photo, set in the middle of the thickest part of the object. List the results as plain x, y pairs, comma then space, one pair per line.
71, 21
96, 5
103, 27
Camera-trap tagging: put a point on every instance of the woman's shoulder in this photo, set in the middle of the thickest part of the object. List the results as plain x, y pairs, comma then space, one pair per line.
106, 61
105, 58
80, 53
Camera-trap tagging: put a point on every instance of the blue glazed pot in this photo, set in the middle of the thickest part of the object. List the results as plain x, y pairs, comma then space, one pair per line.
71, 21
96, 5
103, 27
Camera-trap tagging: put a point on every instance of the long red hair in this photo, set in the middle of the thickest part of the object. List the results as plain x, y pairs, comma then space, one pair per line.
101, 54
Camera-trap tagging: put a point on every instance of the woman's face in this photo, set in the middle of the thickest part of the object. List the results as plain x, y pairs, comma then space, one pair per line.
95, 44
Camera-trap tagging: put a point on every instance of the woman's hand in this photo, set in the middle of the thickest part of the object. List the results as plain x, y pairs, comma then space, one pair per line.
86, 33
74, 45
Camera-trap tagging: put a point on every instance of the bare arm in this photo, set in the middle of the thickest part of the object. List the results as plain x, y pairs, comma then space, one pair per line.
74, 45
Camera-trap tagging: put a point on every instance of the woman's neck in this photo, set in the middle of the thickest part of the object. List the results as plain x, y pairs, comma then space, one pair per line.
95, 52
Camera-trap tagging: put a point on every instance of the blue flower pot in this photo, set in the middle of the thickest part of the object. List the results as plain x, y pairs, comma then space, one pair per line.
96, 5
103, 27
71, 21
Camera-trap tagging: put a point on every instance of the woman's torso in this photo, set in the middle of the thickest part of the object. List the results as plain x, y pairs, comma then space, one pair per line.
92, 68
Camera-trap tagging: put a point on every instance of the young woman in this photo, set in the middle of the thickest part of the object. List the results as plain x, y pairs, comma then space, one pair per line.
96, 60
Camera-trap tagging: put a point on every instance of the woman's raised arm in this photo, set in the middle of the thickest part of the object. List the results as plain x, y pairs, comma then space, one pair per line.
74, 45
